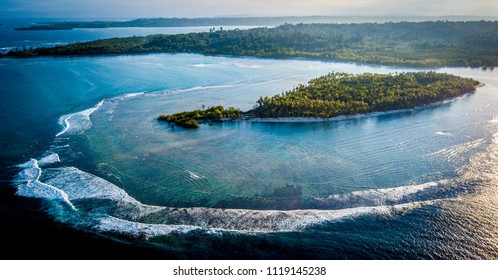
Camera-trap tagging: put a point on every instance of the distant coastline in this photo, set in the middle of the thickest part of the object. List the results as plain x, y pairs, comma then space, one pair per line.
414, 44
238, 21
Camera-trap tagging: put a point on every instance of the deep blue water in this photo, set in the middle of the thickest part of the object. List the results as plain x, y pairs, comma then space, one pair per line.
412, 184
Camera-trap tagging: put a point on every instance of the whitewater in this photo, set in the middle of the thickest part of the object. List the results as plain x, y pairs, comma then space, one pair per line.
125, 215
417, 183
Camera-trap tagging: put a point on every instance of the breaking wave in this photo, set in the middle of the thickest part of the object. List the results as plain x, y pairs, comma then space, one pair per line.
77, 123
455, 152
242, 65
29, 185
114, 211
383, 197
110, 209
443, 133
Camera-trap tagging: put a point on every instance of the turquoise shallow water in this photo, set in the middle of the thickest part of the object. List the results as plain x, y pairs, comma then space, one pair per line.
275, 165
411, 184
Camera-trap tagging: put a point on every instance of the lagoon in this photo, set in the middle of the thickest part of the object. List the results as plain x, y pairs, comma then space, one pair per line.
401, 169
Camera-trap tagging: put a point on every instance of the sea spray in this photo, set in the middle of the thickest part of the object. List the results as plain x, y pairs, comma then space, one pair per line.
125, 215
77, 123
29, 185
128, 216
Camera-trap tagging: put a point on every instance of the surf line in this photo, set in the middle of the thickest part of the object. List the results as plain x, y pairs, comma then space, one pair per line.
31, 186
66, 126
85, 113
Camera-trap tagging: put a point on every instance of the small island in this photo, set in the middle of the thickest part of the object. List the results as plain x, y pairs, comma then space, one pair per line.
342, 94
339, 94
212, 114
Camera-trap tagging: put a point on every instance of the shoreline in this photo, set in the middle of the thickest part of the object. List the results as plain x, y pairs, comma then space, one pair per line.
357, 116
396, 66
133, 45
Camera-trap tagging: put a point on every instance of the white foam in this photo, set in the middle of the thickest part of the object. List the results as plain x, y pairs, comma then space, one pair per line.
79, 122
71, 184
111, 104
241, 220
199, 65
443, 133
193, 175
138, 230
54, 43
379, 197
189, 89
78, 184
299, 219
241, 65
74, 184
201, 88
482, 169
133, 94
494, 120
29, 185
65, 124
51, 158
453, 153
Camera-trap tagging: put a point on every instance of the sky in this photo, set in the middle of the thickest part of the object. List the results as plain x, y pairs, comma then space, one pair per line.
213, 8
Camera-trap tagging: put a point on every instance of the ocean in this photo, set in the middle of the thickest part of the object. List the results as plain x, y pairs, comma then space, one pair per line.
86, 163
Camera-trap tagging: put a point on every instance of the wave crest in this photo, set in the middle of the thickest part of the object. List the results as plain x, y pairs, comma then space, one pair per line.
112, 210
29, 185
79, 122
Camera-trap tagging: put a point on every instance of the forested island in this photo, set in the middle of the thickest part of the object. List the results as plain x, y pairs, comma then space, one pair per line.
212, 114
346, 94
431, 44
338, 94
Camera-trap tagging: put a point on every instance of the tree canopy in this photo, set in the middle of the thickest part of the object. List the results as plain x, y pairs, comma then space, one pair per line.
189, 119
433, 44
338, 94
347, 94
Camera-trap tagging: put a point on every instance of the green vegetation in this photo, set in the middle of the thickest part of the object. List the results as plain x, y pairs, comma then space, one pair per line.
338, 94
175, 22
431, 44
230, 21
189, 119
346, 94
